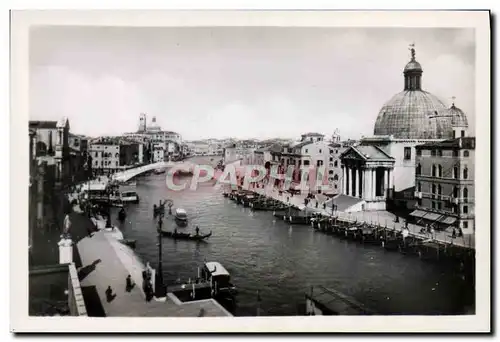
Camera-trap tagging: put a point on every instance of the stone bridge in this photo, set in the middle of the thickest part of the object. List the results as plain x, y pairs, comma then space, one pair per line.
188, 163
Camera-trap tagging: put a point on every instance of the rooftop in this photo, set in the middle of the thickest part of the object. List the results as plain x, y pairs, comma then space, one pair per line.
43, 124
312, 134
462, 142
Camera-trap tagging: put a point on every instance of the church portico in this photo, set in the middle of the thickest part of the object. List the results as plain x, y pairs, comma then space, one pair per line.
367, 175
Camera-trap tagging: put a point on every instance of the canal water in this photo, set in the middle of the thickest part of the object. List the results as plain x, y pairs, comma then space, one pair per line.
283, 261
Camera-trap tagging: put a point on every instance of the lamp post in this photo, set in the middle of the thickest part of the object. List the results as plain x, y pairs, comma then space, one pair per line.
159, 276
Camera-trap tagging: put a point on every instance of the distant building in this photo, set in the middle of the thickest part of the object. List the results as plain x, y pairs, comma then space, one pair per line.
445, 184
113, 155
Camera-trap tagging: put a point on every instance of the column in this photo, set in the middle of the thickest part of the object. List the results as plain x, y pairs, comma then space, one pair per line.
390, 173
344, 180
374, 183
356, 193
368, 184
386, 181
351, 181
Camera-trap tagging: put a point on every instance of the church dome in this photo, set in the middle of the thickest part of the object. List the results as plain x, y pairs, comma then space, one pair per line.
413, 65
458, 117
413, 113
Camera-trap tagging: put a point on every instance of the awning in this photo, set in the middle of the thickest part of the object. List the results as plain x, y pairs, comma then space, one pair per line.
425, 215
418, 213
448, 220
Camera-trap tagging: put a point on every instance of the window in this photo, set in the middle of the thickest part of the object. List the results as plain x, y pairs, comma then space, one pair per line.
307, 150
433, 170
439, 153
320, 151
331, 151
419, 187
454, 134
466, 194
439, 189
433, 205
440, 171
465, 224
433, 153
330, 172
455, 191
336, 151
466, 173
466, 153
117, 155
439, 205
335, 186
455, 172
466, 209
419, 152
419, 201
407, 152
116, 163
462, 133
455, 153
336, 164
418, 170
306, 162
331, 159
433, 188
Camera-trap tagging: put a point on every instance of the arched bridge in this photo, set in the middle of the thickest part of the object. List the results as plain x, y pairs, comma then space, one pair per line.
127, 175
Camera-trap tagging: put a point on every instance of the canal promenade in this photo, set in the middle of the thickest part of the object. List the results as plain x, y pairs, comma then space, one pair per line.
379, 218
104, 261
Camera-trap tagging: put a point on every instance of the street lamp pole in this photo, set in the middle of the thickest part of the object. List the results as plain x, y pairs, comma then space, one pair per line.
159, 276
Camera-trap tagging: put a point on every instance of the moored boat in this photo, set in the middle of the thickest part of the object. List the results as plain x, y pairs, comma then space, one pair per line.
130, 197
214, 273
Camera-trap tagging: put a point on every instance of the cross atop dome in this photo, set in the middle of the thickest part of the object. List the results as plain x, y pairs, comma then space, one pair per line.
453, 101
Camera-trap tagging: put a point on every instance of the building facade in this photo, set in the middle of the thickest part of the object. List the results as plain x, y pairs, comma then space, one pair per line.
445, 184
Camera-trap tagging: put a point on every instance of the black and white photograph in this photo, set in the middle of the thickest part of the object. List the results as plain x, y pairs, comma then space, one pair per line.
184, 169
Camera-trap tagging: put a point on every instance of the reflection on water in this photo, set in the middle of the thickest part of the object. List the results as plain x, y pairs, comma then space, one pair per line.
283, 261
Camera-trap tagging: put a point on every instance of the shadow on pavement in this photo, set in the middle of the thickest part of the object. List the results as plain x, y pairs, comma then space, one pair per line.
93, 302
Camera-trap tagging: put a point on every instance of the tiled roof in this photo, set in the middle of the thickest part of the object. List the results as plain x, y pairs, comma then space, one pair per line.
312, 134
43, 124
465, 142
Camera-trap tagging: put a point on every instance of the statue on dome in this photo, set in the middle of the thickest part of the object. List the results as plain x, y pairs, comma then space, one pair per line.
412, 50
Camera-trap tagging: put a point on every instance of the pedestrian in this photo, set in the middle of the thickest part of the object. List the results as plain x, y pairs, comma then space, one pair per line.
197, 231
454, 234
460, 233
109, 294
129, 283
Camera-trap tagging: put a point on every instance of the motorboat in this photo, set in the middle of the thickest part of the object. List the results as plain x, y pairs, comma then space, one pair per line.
181, 216
159, 171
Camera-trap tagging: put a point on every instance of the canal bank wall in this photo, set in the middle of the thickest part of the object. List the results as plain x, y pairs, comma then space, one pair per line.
376, 229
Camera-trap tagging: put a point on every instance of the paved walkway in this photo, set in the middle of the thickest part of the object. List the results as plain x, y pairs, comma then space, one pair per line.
381, 218
105, 264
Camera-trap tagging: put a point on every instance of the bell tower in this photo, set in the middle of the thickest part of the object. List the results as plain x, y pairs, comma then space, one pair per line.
142, 122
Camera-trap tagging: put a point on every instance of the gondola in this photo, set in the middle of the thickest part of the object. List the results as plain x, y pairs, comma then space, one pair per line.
185, 236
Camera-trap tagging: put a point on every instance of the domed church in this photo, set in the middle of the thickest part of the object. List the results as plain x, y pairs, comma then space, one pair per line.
382, 166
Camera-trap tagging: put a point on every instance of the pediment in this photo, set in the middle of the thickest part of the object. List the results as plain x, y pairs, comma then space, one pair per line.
352, 154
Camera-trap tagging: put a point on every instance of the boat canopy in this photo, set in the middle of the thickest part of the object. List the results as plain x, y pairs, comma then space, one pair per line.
94, 187
180, 211
216, 269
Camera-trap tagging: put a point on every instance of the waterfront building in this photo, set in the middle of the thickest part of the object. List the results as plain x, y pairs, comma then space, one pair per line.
445, 184
236, 152
381, 169
113, 154
51, 142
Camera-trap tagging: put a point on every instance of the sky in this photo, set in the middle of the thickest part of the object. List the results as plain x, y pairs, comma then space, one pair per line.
243, 82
